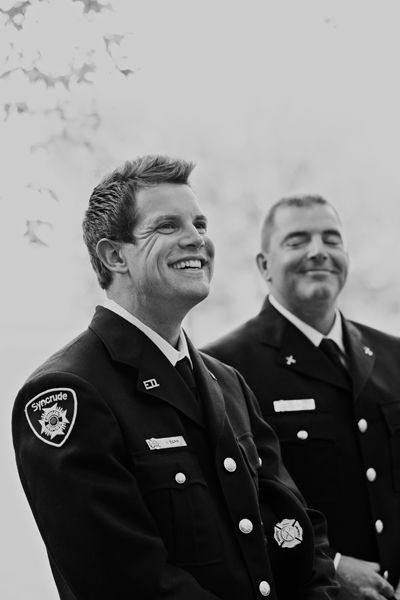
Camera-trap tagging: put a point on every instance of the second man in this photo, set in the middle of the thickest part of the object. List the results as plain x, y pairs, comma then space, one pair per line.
331, 390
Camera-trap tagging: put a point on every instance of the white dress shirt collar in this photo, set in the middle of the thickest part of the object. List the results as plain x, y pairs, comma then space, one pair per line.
315, 337
172, 354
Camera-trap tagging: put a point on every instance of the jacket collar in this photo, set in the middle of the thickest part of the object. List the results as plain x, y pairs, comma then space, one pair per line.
296, 352
362, 357
156, 376
273, 325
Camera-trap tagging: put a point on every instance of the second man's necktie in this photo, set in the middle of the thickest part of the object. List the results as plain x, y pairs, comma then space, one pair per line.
332, 351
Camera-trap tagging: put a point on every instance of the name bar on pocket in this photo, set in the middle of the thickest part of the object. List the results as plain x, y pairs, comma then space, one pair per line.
167, 442
292, 405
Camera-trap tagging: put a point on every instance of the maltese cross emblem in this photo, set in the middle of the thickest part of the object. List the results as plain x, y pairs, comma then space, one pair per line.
288, 533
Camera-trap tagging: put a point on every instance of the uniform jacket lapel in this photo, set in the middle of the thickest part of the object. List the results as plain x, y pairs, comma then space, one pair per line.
295, 351
362, 357
156, 376
171, 388
210, 393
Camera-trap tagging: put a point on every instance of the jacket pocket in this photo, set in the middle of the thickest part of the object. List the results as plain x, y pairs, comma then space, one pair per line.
308, 445
391, 414
176, 494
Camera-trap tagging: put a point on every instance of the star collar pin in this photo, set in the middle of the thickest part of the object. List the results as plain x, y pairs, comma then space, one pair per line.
290, 360
367, 351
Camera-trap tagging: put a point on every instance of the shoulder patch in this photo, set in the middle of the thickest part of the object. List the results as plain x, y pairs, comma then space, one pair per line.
51, 415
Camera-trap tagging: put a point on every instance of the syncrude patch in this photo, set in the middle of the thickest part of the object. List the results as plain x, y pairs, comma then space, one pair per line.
51, 415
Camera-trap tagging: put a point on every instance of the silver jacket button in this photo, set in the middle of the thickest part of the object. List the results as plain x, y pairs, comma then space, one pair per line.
371, 474
180, 478
302, 434
264, 588
362, 425
379, 526
245, 526
230, 464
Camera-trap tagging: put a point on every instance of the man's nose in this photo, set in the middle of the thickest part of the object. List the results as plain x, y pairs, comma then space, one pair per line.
317, 249
191, 237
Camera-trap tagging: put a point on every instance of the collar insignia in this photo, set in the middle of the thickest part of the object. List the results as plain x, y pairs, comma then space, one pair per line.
149, 384
290, 360
51, 415
288, 533
367, 351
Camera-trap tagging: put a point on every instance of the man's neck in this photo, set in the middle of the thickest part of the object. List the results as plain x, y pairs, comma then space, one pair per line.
320, 316
321, 322
167, 330
166, 326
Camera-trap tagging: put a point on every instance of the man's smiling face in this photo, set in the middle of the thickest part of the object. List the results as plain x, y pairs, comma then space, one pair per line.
171, 260
306, 260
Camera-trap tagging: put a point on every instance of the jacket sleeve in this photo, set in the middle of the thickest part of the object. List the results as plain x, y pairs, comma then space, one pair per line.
323, 584
101, 539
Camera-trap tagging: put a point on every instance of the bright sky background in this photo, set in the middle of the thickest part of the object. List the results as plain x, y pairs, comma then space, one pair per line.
268, 98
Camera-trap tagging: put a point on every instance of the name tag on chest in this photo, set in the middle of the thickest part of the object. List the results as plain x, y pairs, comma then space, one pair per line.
167, 442
292, 405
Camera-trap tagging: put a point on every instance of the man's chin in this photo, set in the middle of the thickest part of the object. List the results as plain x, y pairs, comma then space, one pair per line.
191, 295
199, 295
321, 293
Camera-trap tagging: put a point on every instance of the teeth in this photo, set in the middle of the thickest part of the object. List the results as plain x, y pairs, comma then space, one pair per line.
184, 264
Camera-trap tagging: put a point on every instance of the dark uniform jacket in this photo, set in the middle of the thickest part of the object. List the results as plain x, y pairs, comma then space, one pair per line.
344, 454
141, 492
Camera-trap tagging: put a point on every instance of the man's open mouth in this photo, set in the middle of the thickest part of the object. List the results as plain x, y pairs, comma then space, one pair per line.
187, 264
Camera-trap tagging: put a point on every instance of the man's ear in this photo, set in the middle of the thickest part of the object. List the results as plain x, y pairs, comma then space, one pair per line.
111, 255
262, 263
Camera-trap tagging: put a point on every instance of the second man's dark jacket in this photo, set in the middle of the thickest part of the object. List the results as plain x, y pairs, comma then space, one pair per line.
344, 454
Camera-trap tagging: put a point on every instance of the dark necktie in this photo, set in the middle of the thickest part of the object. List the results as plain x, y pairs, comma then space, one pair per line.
185, 371
332, 351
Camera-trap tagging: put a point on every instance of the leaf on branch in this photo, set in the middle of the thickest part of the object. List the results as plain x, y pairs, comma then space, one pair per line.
86, 68
126, 72
116, 38
52, 194
79, 75
41, 189
36, 75
94, 5
19, 8
33, 232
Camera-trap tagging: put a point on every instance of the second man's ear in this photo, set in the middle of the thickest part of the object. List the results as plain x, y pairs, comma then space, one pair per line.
262, 263
111, 255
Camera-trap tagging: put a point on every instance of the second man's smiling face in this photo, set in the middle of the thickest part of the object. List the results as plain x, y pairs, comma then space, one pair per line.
306, 260
171, 260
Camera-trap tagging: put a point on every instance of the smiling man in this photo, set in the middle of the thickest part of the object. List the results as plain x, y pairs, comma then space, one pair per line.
331, 390
148, 467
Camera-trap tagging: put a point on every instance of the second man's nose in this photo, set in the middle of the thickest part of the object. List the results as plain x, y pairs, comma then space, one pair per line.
316, 249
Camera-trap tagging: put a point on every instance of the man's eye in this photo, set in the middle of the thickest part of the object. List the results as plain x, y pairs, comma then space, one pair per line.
201, 227
166, 227
333, 240
294, 242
